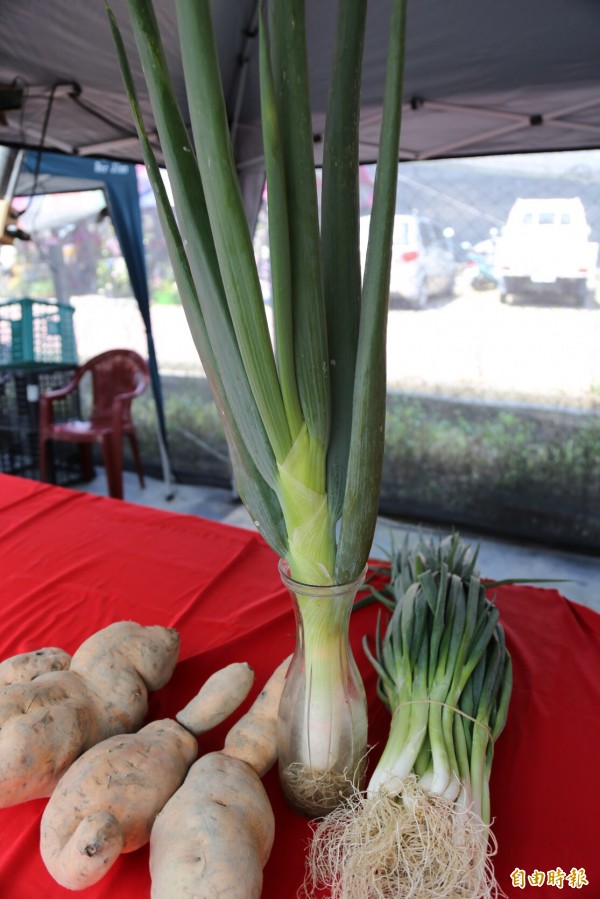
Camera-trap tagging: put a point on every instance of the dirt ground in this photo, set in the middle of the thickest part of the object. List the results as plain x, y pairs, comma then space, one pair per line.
474, 345
470, 345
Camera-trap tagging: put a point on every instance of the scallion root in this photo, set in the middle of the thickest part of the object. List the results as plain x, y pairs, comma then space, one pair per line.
316, 792
416, 846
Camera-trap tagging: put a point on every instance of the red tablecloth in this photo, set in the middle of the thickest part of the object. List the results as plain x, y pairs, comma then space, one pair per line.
71, 563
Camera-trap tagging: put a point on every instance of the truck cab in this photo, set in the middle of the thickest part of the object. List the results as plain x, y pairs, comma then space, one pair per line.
545, 250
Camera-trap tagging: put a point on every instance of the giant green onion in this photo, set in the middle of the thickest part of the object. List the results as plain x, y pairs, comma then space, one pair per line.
422, 828
304, 418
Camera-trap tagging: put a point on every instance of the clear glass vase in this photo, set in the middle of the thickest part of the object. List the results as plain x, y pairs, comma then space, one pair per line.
322, 724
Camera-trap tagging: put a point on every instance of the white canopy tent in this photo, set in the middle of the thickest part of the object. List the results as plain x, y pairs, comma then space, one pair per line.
482, 77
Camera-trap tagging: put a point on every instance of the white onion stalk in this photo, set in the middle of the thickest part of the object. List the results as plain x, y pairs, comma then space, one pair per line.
304, 415
445, 674
322, 716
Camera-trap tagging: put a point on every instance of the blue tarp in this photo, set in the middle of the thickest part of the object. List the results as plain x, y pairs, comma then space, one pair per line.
119, 182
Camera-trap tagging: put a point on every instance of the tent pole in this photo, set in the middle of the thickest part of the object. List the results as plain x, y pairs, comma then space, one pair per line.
250, 35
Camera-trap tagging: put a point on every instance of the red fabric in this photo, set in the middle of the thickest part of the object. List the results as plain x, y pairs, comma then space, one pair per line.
72, 563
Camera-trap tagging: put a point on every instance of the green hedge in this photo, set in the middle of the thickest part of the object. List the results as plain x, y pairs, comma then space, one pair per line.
513, 471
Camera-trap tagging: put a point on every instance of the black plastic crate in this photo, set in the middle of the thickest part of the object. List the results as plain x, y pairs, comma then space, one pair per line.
20, 390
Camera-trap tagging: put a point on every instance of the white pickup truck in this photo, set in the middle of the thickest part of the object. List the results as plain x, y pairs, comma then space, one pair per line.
544, 249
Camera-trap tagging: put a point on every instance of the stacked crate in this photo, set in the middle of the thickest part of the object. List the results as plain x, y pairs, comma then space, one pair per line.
37, 353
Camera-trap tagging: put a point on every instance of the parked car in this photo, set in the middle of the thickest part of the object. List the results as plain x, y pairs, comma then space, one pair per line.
423, 263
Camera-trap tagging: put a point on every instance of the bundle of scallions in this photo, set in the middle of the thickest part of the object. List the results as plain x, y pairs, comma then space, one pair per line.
304, 412
422, 828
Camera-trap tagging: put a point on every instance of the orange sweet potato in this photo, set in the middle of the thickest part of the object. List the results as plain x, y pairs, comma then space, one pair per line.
46, 723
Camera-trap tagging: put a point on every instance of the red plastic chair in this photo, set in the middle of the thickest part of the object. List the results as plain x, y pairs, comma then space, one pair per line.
118, 376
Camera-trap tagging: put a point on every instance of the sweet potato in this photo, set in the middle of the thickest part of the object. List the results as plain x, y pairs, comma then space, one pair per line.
106, 802
121, 664
253, 738
220, 695
27, 666
45, 724
214, 836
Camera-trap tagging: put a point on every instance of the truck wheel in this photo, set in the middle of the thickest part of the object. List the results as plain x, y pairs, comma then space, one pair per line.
583, 295
507, 298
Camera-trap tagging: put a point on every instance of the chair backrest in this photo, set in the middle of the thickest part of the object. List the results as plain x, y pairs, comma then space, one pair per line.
115, 372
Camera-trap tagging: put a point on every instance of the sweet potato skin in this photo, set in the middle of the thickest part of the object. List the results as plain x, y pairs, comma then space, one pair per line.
253, 738
45, 724
107, 801
214, 836
219, 696
26, 666
122, 668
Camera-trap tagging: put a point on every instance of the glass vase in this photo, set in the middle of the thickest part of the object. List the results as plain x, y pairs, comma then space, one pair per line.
322, 723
